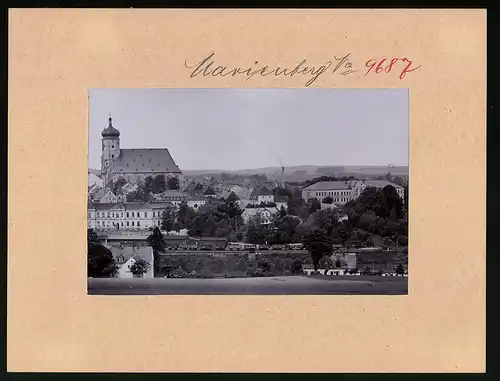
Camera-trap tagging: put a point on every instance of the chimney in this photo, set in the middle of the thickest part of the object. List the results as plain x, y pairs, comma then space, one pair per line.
283, 177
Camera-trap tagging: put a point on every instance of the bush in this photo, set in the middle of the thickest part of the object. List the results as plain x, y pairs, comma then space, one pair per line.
297, 267
403, 240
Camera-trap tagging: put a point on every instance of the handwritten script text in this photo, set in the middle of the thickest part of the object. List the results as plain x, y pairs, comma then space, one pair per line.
208, 67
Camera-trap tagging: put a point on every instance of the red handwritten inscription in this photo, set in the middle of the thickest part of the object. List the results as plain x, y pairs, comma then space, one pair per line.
383, 65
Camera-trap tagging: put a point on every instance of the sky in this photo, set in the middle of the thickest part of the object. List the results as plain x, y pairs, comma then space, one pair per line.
247, 128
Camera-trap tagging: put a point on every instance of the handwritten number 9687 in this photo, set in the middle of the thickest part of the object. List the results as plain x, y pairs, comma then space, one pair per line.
378, 66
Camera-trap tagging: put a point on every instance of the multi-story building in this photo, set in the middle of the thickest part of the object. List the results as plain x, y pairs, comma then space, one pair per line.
344, 191
125, 216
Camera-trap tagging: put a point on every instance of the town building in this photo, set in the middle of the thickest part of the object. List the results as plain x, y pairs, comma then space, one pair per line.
125, 216
265, 215
126, 256
281, 202
261, 195
94, 179
344, 191
196, 201
133, 165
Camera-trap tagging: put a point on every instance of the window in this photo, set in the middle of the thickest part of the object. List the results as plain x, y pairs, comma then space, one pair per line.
97, 214
127, 215
145, 214
112, 156
127, 223
133, 214
138, 223
122, 223
154, 214
132, 223
108, 214
112, 146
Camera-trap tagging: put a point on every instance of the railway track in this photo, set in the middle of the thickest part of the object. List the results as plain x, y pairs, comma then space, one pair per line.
241, 252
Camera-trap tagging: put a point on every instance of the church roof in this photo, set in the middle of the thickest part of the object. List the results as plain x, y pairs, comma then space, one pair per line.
110, 131
148, 160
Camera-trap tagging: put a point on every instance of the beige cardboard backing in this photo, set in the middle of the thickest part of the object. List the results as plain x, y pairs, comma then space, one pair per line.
55, 55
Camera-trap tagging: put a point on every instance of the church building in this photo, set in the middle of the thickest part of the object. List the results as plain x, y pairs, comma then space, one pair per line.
134, 165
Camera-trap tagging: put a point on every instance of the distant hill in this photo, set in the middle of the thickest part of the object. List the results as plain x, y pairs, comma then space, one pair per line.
305, 172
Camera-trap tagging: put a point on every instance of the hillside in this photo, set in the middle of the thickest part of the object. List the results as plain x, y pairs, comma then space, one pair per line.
306, 172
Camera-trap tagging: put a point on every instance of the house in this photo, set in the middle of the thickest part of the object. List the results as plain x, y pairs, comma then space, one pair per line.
173, 196
265, 215
129, 188
93, 190
261, 195
196, 200
95, 180
232, 198
325, 206
126, 256
281, 202
105, 196
244, 197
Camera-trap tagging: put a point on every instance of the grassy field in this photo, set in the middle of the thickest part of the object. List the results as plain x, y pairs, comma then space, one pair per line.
290, 285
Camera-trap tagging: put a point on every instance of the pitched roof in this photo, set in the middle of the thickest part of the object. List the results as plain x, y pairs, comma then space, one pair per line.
156, 160
244, 193
104, 206
232, 197
123, 253
381, 184
329, 185
280, 198
162, 205
265, 192
197, 197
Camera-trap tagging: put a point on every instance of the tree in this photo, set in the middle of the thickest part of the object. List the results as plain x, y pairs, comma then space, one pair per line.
157, 243
100, 261
118, 185
316, 242
185, 214
168, 220
327, 200
402, 240
256, 232
297, 267
282, 212
159, 185
313, 205
140, 267
173, 183
138, 195
393, 200
326, 263
148, 185
400, 270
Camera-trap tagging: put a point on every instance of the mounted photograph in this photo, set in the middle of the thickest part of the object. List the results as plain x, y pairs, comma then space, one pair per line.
248, 191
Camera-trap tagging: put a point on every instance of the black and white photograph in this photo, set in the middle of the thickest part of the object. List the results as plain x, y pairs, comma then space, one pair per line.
248, 191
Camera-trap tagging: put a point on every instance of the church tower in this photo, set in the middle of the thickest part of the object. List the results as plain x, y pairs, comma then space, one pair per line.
110, 151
